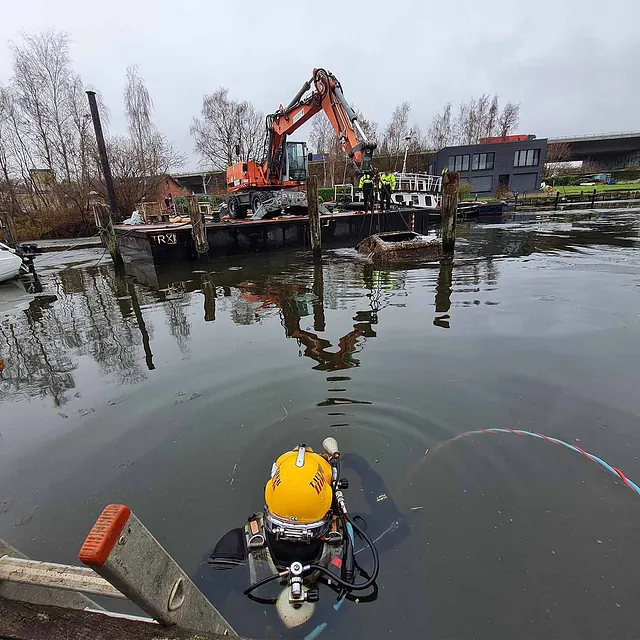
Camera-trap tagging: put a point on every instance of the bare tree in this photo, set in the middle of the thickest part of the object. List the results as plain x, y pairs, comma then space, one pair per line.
48, 157
49, 127
138, 107
225, 123
492, 117
323, 141
508, 119
135, 182
464, 122
397, 131
141, 161
8, 198
440, 132
557, 154
44, 81
477, 118
483, 108
472, 119
399, 135
252, 132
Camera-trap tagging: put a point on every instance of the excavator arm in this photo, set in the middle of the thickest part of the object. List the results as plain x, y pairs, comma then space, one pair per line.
322, 93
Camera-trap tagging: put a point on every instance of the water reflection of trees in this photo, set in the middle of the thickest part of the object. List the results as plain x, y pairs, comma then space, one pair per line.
35, 358
92, 314
173, 300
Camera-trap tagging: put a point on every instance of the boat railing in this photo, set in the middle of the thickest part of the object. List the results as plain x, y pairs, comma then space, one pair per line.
343, 191
418, 182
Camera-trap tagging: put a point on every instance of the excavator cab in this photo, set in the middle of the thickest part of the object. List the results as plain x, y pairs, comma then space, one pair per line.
366, 166
295, 169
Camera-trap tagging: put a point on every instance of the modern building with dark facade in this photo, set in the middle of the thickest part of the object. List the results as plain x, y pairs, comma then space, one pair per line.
518, 166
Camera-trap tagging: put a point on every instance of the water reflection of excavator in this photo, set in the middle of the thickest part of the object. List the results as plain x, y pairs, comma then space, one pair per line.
286, 298
269, 186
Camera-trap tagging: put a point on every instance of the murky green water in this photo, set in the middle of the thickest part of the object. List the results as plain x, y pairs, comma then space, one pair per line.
176, 399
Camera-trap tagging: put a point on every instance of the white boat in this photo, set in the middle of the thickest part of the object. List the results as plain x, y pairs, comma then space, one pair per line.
417, 190
10, 263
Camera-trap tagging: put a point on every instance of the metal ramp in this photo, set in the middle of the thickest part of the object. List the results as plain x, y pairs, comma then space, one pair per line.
123, 560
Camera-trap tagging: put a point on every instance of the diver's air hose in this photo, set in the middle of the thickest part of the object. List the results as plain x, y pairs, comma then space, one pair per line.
348, 558
352, 586
255, 585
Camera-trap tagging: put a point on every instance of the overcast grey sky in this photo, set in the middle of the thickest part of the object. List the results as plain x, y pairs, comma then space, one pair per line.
573, 65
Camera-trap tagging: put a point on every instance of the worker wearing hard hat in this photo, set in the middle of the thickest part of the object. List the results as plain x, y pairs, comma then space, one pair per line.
366, 184
386, 185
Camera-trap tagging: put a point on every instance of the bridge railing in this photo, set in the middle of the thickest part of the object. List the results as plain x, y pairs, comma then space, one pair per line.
595, 136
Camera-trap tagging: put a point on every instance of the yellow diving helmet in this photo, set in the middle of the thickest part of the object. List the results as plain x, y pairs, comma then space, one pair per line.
298, 496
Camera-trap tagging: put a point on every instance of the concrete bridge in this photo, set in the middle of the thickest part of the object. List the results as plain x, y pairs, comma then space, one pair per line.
605, 151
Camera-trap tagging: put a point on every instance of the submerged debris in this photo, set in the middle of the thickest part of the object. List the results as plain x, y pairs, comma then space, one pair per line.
400, 246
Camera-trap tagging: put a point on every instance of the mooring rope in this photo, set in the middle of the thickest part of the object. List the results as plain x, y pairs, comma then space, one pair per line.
519, 432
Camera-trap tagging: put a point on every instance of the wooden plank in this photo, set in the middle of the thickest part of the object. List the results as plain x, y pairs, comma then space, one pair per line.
23, 621
55, 576
40, 595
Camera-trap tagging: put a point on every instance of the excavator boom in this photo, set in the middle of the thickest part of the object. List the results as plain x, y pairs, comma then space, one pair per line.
326, 96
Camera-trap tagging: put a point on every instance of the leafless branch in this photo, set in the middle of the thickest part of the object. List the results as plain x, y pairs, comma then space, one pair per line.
224, 124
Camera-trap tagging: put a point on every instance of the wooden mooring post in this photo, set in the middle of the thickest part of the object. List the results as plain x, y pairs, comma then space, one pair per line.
315, 231
450, 191
198, 228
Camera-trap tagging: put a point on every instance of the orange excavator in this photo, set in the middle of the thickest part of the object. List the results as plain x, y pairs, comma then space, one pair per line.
273, 185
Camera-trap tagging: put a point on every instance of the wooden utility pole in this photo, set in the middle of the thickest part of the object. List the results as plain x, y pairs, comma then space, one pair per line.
104, 159
314, 214
105, 222
198, 228
450, 190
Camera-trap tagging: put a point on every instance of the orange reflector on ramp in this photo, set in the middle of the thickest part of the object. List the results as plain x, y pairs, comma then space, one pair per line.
104, 535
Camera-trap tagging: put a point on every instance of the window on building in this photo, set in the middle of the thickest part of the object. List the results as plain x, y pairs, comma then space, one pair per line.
459, 163
481, 184
482, 161
526, 158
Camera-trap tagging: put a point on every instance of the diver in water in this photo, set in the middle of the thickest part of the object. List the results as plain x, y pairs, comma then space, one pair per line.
305, 538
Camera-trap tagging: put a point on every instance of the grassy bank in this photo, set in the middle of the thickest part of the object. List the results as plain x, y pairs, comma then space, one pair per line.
576, 189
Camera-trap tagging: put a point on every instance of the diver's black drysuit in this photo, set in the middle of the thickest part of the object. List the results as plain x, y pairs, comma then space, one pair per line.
385, 525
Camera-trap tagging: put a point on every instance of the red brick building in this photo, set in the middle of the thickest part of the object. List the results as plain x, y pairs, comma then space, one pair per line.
168, 186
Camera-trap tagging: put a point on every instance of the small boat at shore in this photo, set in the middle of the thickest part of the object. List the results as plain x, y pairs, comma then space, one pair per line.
400, 246
10, 263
